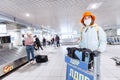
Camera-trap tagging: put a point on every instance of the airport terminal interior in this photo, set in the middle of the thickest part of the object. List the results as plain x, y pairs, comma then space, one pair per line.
52, 21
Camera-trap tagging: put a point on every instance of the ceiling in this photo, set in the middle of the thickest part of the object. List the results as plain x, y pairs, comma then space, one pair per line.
61, 15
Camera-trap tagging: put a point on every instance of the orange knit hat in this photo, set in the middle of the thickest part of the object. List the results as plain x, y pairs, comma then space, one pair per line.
87, 14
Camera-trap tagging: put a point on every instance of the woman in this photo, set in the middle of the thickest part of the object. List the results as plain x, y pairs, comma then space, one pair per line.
92, 36
29, 47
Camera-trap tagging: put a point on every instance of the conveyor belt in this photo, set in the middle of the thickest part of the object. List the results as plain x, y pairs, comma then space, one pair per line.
11, 55
13, 58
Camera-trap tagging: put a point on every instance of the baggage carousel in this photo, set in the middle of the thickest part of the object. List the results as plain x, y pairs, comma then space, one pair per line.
12, 59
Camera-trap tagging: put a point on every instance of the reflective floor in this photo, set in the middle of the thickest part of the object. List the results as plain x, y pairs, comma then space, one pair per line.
55, 68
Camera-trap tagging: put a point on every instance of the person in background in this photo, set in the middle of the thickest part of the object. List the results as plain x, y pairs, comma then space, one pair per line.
23, 41
57, 39
37, 43
29, 42
44, 41
52, 41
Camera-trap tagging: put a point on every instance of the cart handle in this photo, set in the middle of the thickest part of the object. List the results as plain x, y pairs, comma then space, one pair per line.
96, 53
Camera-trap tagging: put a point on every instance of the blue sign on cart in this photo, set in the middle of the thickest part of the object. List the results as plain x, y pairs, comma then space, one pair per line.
80, 64
77, 70
76, 74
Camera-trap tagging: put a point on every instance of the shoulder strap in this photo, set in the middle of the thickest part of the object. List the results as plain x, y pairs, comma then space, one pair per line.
97, 30
81, 30
96, 27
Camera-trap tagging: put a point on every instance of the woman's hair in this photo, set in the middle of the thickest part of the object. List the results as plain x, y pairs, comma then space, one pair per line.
91, 22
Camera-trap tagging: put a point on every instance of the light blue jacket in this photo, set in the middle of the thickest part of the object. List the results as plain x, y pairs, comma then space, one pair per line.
90, 39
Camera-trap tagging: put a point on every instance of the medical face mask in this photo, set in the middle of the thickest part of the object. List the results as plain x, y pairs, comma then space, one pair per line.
87, 22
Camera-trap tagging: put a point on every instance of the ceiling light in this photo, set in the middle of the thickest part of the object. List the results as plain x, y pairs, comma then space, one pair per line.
27, 14
94, 6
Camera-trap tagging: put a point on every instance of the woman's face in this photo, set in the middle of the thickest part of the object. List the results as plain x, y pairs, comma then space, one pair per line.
87, 20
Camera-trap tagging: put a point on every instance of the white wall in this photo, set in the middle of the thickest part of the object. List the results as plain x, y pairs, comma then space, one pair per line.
15, 37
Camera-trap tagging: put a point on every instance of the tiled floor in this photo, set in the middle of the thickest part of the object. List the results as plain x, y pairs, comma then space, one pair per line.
55, 68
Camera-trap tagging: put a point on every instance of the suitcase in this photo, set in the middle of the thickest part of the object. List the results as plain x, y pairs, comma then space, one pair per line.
41, 58
117, 60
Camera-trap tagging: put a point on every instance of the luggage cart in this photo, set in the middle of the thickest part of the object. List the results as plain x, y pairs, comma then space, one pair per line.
78, 70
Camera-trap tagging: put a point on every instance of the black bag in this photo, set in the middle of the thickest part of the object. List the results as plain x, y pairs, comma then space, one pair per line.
117, 60
41, 58
71, 52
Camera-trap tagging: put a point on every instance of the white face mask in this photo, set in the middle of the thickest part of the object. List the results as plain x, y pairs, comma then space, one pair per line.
87, 22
